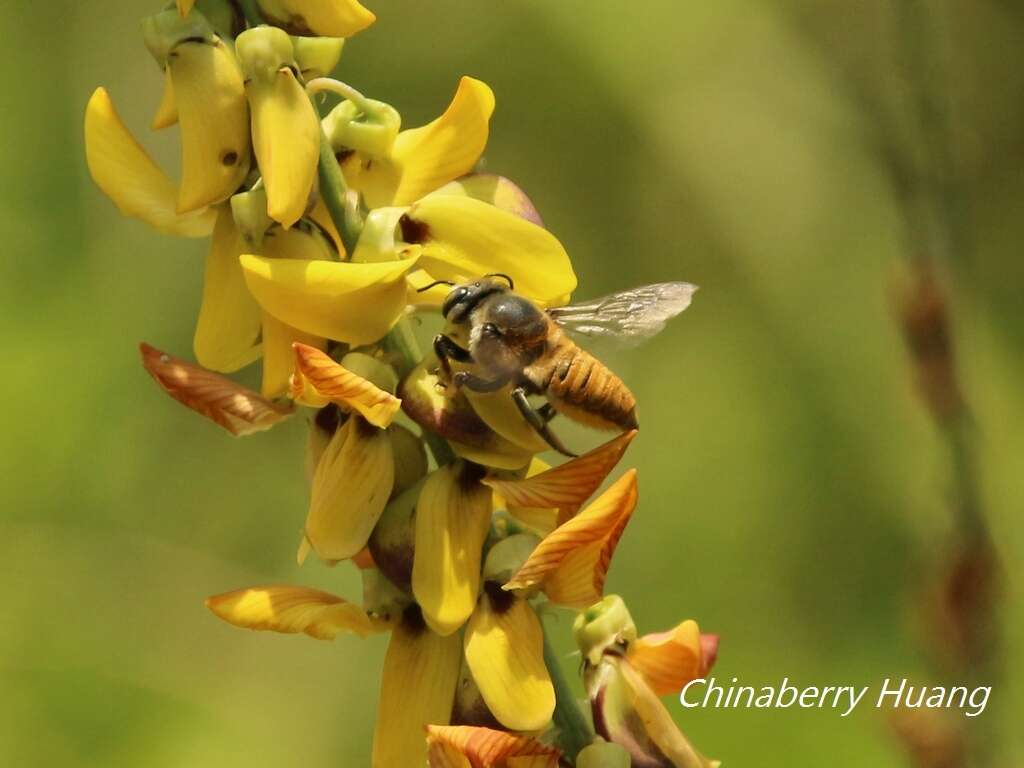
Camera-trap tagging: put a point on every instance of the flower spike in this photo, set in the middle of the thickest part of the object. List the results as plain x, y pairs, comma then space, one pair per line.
486, 748
571, 563
239, 410
291, 610
566, 486
332, 382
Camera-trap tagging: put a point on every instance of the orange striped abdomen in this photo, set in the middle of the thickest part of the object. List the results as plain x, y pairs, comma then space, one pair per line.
584, 389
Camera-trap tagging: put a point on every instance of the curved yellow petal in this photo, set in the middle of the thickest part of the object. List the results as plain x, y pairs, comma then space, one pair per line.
130, 178
571, 563
498, 191
286, 139
227, 333
278, 356
355, 303
504, 647
351, 486
453, 515
214, 119
669, 660
428, 157
417, 689
167, 111
499, 411
239, 410
326, 18
568, 485
490, 748
333, 382
466, 238
288, 609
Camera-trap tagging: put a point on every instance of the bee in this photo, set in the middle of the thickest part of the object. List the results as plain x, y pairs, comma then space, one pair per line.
509, 340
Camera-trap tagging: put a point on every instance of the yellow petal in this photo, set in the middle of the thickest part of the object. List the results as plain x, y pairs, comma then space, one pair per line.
417, 689
320, 216
455, 420
239, 410
504, 649
466, 238
567, 486
130, 178
351, 486
214, 120
184, 6
497, 190
228, 330
428, 157
489, 748
167, 112
571, 563
333, 382
286, 138
668, 660
354, 303
278, 357
453, 515
288, 609
326, 18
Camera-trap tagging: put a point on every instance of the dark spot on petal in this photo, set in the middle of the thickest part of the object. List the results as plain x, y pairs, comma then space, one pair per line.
412, 619
413, 231
229, 158
366, 429
471, 475
328, 419
501, 601
342, 155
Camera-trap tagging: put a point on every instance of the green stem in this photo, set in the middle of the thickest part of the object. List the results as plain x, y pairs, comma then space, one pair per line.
251, 12
574, 732
334, 192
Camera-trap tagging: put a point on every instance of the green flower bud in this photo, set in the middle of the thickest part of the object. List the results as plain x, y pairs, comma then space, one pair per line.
603, 754
249, 210
221, 15
262, 51
603, 625
507, 556
317, 56
370, 128
163, 31
410, 458
381, 598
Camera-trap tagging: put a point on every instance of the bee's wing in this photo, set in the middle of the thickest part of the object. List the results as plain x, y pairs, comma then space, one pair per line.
629, 317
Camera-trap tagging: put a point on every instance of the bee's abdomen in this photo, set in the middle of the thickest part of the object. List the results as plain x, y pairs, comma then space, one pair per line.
586, 390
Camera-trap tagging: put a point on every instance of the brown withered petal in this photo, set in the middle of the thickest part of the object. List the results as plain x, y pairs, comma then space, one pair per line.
571, 563
567, 486
486, 748
238, 410
334, 382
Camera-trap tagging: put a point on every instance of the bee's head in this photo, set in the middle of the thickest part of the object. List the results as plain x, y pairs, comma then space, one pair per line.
463, 299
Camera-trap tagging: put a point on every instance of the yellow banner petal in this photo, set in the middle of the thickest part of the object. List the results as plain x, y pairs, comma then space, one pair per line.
351, 486
286, 138
568, 485
571, 563
428, 157
327, 18
669, 660
354, 303
466, 238
504, 646
214, 120
130, 178
489, 748
333, 382
239, 410
278, 358
417, 689
288, 609
453, 515
228, 330
167, 112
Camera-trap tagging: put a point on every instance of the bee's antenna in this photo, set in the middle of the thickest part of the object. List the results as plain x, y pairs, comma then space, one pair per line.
433, 284
511, 285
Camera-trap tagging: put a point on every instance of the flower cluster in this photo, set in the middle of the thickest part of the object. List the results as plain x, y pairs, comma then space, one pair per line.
327, 233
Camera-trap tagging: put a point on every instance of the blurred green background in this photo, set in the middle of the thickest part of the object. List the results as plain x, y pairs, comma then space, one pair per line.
794, 492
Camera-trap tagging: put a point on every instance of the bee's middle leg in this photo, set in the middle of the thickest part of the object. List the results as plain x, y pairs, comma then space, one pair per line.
538, 419
547, 412
446, 351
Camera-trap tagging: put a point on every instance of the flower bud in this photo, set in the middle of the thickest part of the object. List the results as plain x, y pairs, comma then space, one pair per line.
317, 56
370, 128
382, 600
249, 210
163, 31
603, 754
410, 458
601, 626
507, 556
393, 539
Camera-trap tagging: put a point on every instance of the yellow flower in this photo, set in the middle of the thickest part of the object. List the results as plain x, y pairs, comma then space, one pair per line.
285, 126
328, 18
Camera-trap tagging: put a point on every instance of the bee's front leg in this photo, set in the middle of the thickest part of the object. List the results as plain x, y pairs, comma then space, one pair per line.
539, 421
446, 351
477, 384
